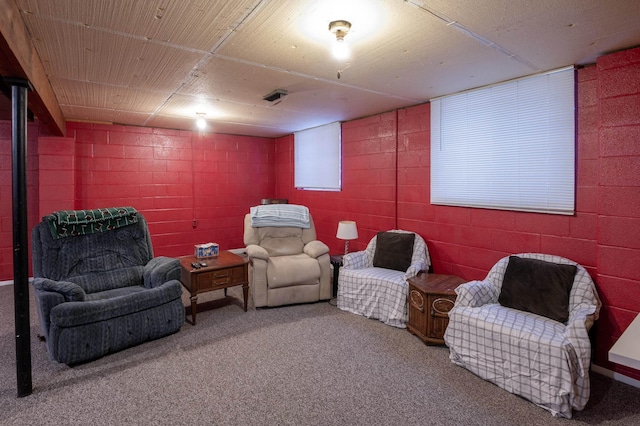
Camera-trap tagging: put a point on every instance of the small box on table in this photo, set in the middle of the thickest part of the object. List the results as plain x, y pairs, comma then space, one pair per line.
203, 251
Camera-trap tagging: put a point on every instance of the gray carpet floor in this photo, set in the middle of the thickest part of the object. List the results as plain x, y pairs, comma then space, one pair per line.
298, 365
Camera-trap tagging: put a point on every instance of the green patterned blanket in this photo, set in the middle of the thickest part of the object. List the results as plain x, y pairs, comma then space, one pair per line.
69, 223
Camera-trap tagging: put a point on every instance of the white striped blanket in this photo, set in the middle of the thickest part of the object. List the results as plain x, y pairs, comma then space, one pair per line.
280, 215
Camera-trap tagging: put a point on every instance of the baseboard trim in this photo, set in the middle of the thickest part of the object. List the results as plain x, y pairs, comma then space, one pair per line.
616, 376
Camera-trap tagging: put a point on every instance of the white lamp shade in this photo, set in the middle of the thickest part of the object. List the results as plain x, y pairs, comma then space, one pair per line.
347, 230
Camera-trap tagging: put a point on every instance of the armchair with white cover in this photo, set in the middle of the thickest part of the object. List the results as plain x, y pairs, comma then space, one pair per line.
525, 328
288, 264
373, 282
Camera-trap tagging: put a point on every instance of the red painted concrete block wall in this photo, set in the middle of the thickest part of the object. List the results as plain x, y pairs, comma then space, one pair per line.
57, 174
284, 167
618, 126
122, 166
6, 224
231, 174
368, 192
6, 193
191, 188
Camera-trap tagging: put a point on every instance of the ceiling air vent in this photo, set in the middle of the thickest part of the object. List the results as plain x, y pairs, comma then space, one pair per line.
276, 96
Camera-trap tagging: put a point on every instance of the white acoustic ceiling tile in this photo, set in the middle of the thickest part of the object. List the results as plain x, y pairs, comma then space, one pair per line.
548, 33
274, 38
200, 25
196, 25
333, 103
181, 105
152, 66
83, 94
328, 100
421, 77
84, 54
225, 79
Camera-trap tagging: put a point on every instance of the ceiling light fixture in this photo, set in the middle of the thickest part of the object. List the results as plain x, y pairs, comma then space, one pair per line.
201, 123
340, 29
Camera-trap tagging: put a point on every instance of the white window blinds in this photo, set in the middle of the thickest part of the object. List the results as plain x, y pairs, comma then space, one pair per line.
510, 146
317, 158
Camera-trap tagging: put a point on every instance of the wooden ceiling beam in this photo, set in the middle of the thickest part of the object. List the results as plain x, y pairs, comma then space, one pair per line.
19, 59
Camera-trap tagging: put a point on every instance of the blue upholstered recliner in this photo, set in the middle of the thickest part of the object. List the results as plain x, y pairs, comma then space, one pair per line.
98, 287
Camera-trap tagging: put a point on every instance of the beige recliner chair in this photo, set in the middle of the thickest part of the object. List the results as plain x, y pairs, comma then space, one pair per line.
288, 264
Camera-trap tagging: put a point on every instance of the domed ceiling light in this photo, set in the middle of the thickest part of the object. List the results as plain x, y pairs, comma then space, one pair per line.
340, 29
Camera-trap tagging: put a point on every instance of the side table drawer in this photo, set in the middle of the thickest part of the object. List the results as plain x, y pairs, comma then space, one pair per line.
221, 277
439, 307
418, 311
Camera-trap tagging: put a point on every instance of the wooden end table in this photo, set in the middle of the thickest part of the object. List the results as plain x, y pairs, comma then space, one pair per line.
431, 297
226, 270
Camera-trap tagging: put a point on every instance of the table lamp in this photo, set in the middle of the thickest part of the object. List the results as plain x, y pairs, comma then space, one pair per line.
347, 230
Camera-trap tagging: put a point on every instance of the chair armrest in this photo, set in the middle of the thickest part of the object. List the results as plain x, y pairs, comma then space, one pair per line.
355, 260
475, 294
72, 314
315, 249
47, 297
71, 292
159, 270
576, 331
415, 269
256, 252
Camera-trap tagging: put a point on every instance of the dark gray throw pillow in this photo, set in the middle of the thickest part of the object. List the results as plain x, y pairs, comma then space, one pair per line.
538, 287
393, 250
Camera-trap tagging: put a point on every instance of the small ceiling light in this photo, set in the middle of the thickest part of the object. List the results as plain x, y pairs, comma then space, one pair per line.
340, 29
201, 123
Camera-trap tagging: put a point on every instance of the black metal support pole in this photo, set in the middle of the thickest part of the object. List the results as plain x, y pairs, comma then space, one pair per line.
19, 90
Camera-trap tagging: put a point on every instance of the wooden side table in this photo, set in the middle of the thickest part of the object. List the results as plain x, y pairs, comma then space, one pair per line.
431, 297
226, 270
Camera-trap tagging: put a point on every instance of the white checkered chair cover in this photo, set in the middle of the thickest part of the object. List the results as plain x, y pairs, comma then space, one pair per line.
379, 293
540, 359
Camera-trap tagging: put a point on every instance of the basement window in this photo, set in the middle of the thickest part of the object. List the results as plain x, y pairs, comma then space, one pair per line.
509, 146
317, 158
